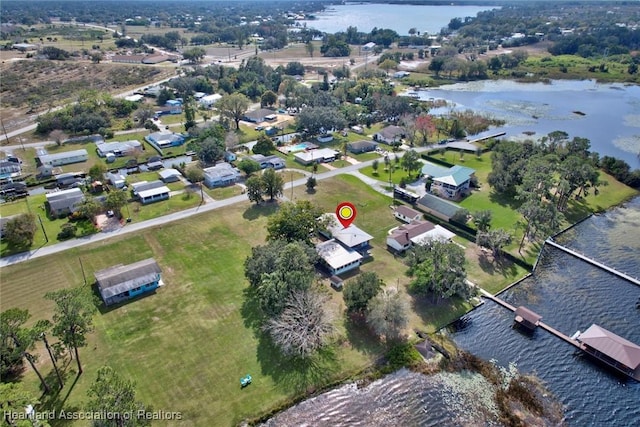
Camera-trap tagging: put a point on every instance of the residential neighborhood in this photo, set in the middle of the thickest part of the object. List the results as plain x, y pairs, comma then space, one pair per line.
243, 214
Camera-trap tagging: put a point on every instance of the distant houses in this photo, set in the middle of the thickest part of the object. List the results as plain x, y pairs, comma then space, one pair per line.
220, 175
150, 192
118, 148
164, 139
64, 202
321, 155
62, 158
359, 147
123, 282
390, 135
272, 161
259, 116
209, 101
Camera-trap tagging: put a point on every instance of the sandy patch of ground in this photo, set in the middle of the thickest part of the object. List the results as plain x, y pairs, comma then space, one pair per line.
106, 224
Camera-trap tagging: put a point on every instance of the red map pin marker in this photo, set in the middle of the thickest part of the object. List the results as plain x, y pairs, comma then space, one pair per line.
346, 213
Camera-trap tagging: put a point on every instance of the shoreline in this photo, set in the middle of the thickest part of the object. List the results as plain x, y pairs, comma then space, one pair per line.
376, 371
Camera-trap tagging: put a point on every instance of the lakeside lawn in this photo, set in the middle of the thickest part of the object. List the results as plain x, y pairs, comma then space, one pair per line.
187, 345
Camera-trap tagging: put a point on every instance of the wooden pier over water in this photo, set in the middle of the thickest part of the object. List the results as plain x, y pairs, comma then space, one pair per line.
484, 138
594, 262
541, 324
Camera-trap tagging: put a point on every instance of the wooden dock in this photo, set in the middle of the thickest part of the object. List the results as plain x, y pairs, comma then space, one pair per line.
541, 324
484, 138
594, 262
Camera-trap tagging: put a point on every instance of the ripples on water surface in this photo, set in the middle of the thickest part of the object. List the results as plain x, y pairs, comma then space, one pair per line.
571, 295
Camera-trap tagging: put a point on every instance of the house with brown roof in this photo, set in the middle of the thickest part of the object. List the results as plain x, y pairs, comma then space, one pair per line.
612, 349
406, 214
416, 233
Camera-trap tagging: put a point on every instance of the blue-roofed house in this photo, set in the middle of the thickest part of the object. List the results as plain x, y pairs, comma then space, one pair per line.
174, 105
164, 139
450, 183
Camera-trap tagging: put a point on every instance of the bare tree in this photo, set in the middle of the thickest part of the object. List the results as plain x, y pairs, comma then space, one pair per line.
304, 326
388, 314
58, 136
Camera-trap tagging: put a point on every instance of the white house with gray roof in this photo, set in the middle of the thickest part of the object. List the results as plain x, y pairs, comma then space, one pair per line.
63, 158
336, 258
118, 148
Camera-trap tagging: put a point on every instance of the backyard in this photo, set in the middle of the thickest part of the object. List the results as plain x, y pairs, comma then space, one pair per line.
183, 334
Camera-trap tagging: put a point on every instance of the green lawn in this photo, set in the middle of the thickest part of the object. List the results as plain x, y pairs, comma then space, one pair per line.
187, 345
179, 202
397, 173
36, 206
223, 192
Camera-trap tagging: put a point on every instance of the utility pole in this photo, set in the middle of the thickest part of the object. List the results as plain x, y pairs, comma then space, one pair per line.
43, 230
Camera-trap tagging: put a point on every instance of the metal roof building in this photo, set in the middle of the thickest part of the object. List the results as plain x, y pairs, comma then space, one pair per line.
122, 282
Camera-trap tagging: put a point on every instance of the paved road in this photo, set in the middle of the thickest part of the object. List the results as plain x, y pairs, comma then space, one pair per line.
208, 207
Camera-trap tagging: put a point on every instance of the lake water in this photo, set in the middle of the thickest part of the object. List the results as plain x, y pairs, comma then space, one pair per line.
609, 114
569, 294
400, 18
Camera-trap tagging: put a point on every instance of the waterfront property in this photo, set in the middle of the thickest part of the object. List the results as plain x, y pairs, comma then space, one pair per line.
321, 155
64, 202
220, 175
450, 183
122, 282
611, 349
336, 258
62, 158
416, 233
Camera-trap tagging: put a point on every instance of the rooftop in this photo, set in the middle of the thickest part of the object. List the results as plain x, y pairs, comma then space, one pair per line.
407, 211
612, 345
121, 278
437, 204
350, 236
454, 175
63, 155
336, 255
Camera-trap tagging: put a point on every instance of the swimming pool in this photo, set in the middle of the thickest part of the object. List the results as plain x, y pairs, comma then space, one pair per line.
297, 147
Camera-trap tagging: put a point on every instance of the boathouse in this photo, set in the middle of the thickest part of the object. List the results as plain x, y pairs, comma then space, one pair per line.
612, 349
527, 318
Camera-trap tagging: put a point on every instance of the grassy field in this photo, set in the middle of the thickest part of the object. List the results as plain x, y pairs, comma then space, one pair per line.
197, 333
